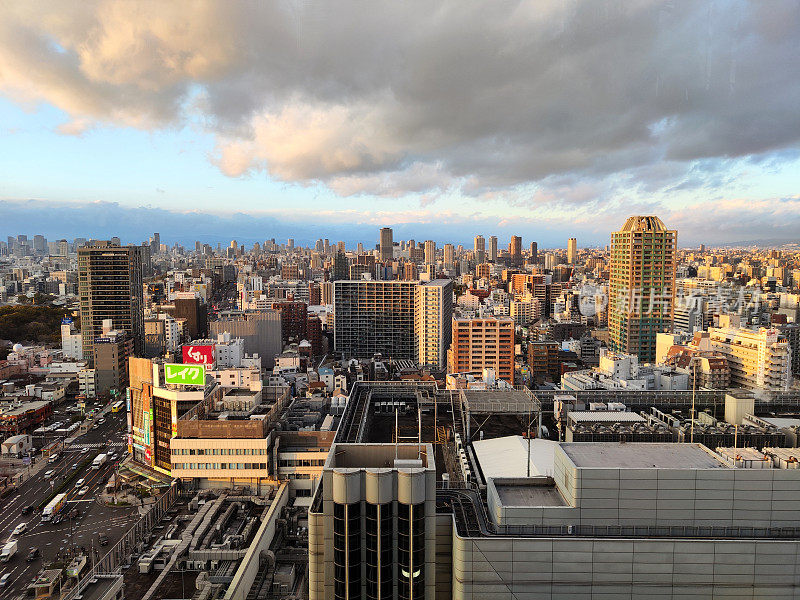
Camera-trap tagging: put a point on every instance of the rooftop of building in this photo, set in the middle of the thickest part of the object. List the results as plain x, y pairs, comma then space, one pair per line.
539, 491
605, 416
600, 455
379, 456
20, 409
509, 456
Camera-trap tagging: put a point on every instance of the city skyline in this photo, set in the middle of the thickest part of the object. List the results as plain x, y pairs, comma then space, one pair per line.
678, 113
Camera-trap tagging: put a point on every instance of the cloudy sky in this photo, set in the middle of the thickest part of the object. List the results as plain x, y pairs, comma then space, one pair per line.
442, 119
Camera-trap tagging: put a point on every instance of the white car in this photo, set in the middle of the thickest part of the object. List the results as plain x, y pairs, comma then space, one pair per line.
20, 529
84, 450
80, 482
83, 490
49, 474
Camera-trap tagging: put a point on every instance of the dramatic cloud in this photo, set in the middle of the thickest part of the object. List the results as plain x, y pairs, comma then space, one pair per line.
419, 97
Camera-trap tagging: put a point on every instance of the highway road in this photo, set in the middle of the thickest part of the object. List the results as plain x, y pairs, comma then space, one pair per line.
94, 517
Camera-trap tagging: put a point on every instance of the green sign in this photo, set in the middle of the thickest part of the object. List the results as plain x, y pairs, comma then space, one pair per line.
184, 374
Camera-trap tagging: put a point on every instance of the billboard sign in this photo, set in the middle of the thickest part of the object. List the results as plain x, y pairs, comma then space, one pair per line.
198, 355
184, 374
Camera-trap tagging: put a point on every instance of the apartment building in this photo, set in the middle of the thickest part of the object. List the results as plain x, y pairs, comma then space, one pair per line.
433, 322
757, 358
642, 285
483, 343
375, 317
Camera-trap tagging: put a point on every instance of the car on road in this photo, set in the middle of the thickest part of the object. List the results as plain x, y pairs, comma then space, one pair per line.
100, 421
74, 467
27, 509
5, 580
84, 450
80, 482
57, 519
20, 529
83, 491
33, 554
103, 539
53, 458
49, 474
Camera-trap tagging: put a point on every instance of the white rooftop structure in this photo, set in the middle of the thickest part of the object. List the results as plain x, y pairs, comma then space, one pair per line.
605, 416
602, 455
508, 456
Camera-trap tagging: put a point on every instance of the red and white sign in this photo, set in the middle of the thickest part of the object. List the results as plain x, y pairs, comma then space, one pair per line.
198, 355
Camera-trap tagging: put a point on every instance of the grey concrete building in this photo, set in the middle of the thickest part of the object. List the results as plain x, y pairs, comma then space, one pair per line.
260, 330
614, 521
372, 528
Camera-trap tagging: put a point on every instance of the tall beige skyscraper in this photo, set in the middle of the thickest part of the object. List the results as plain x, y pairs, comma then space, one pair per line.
493, 248
572, 251
449, 255
480, 249
515, 250
386, 243
642, 287
430, 252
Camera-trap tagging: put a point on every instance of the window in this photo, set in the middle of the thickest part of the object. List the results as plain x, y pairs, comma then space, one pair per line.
411, 551
347, 551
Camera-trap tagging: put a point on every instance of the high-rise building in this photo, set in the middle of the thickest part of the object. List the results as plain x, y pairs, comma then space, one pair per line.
534, 252
572, 251
493, 248
483, 343
341, 266
480, 249
434, 322
39, 244
372, 317
293, 319
449, 256
430, 252
110, 287
515, 250
642, 285
386, 245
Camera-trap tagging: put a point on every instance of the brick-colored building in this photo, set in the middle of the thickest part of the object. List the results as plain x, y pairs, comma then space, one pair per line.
483, 343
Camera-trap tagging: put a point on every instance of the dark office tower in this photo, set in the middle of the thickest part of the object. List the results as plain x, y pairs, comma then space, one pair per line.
110, 287
314, 294
515, 250
534, 252
196, 315
294, 316
386, 245
341, 267
374, 317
